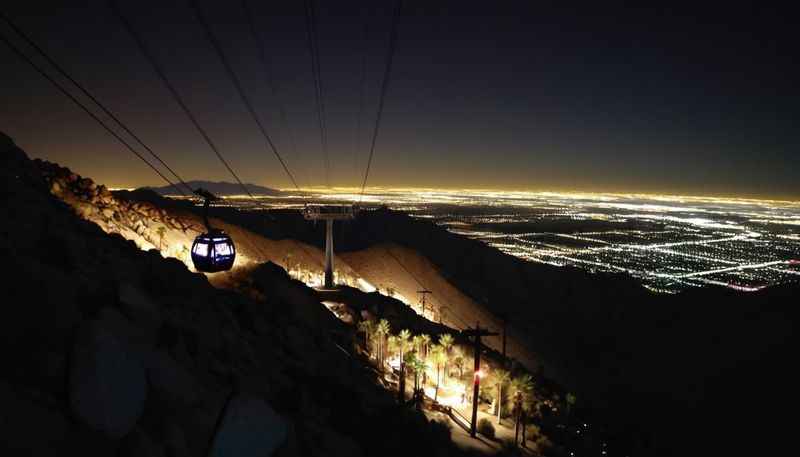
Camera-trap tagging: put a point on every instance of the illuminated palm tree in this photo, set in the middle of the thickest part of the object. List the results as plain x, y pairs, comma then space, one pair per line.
426, 343
446, 342
403, 344
391, 346
382, 331
418, 367
501, 377
521, 397
416, 344
368, 327
459, 359
439, 359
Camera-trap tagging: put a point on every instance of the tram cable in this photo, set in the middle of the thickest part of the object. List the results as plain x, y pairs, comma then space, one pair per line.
179, 100
313, 48
97, 102
94, 116
173, 91
239, 88
361, 94
268, 76
384, 88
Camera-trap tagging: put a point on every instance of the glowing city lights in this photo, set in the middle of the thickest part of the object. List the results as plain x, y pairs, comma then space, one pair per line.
669, 243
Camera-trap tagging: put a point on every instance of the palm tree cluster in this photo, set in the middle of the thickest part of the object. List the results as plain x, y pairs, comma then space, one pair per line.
513, 392
414, 352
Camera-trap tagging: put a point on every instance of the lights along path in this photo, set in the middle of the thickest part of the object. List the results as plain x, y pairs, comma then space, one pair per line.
569, 255
725, 270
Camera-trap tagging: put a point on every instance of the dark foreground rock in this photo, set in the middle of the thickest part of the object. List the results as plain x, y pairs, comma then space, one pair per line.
111, 350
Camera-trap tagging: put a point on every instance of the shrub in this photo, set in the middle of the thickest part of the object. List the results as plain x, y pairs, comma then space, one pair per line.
509, 449
486, 428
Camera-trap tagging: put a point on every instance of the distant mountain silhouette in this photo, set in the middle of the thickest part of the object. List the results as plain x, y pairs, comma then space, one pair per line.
220, 188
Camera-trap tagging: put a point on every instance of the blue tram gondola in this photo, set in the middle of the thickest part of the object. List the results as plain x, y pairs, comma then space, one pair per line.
214, 250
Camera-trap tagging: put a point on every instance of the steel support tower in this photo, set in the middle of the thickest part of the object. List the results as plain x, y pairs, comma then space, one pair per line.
329, 213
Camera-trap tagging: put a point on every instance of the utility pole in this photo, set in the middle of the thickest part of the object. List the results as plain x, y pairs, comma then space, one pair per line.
476, 332
423, 293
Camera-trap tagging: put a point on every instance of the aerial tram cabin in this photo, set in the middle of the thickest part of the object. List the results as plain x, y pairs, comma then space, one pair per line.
214, 250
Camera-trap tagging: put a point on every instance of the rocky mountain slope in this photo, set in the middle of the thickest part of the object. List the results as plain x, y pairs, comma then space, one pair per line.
170, 226
112, 350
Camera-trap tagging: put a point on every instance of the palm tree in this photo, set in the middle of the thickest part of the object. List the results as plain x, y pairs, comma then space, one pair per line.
522, 384
416, 344
521, 397
403, 344
391, 346
368, 327
439, 359
459, 359
501, 376
426, 342
446, 342
417, 367
382, 330
571, 399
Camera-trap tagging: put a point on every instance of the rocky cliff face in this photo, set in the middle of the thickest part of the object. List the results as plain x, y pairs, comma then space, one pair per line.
111, 350
169, 226
147, 225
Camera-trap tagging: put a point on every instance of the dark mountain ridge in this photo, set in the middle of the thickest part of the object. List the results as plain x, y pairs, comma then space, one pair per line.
220, 188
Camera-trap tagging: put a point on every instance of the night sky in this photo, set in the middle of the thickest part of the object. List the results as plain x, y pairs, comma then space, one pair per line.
494, 95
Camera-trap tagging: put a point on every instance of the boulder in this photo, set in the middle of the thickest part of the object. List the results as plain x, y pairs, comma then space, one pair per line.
107, 385
84, 210
139, 444
324, 442
139, 338
169, 378
139, 308
249, 427
302, 303
27, 428
175, 440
